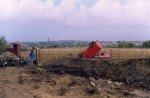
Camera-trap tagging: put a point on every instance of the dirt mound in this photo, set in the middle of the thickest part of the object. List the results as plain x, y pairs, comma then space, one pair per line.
132, 72
35, 82
69, 86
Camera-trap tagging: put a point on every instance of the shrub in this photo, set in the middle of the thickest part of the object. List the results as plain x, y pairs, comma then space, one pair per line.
3, 44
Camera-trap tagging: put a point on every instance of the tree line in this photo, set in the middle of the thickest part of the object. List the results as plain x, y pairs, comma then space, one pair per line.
146, 44
120, 44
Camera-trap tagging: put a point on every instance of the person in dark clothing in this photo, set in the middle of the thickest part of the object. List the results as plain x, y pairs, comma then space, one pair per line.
31, 57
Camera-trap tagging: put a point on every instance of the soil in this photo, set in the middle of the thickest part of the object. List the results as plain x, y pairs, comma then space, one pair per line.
132, 72
78, 78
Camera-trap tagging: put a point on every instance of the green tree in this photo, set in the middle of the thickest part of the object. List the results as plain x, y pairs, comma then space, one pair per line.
55, 46
146, 44
129, 45
120, 45
3, 44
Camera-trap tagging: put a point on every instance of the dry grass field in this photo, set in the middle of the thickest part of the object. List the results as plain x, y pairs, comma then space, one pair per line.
47, 55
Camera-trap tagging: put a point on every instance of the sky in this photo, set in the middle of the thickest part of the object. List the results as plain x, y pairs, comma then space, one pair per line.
103, 20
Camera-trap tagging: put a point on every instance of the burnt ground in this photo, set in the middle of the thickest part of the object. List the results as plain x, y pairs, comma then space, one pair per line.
132, 72
78, 78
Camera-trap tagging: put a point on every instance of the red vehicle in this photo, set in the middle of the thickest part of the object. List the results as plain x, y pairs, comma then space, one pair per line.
92, 50
103, 55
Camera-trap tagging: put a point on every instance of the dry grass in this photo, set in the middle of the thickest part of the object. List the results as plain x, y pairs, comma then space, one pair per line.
127, 53
46, 55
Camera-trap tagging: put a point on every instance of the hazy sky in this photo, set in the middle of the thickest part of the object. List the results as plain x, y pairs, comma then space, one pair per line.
36, 20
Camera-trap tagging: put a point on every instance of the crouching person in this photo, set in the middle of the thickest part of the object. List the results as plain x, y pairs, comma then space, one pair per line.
31, 57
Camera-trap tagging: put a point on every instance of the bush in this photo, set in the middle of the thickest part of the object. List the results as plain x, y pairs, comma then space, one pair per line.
126, 45
55, 46
146, 44
3, 44
129, 45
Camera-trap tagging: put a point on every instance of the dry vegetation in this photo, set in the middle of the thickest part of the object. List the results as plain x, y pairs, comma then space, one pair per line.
47, 55
84, 78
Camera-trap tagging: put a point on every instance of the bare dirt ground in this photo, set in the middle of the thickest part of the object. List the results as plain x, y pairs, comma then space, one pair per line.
78, 78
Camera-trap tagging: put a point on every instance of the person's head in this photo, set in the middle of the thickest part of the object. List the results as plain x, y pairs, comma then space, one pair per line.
31, 51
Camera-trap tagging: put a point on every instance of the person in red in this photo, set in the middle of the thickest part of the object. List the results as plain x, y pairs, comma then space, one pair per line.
31, 57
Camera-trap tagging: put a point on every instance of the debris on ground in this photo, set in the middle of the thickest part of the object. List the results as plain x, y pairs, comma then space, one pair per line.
131, 72
9, 59
78, 78
70, 85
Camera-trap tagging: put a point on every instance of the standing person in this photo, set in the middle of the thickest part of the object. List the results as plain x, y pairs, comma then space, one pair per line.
31, 57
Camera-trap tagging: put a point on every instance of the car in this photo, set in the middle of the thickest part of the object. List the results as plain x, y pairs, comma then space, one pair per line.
92, 50
103, 55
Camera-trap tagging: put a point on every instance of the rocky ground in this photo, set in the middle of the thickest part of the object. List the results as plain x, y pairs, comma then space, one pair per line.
78, 78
